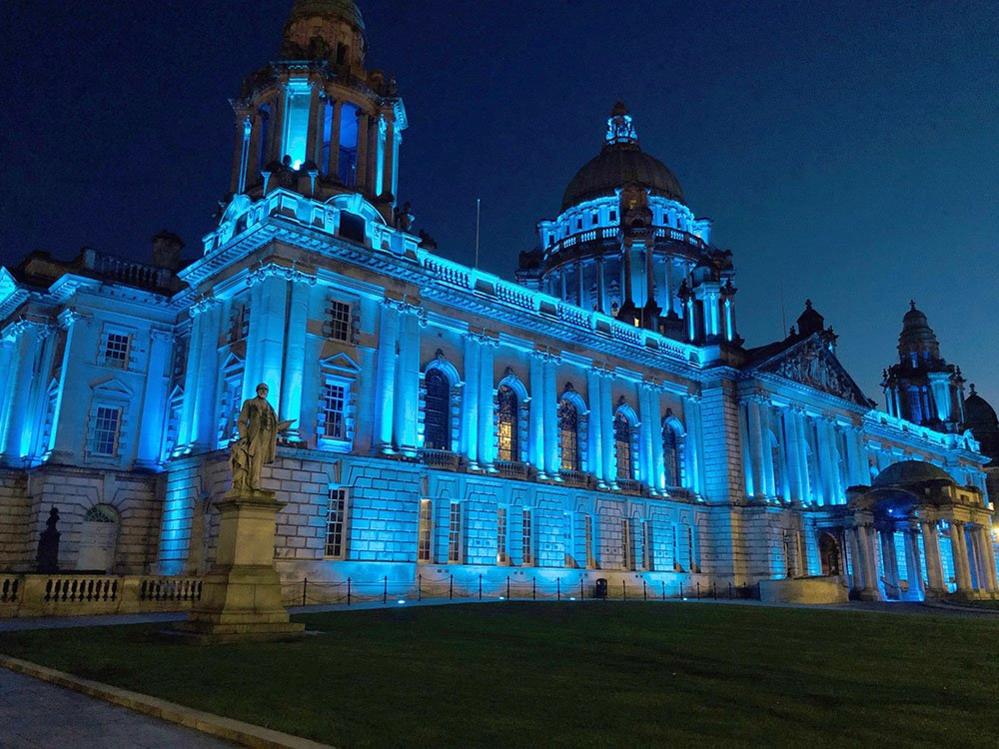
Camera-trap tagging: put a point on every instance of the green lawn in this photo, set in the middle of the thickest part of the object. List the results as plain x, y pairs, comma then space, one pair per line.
593, 674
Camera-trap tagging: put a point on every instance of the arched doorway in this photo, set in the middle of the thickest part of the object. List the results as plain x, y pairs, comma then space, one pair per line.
98, 539
829, 555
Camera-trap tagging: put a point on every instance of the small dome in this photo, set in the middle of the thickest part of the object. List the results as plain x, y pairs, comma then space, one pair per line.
621, 162
917, 335
810, 321
910, 472
978, 414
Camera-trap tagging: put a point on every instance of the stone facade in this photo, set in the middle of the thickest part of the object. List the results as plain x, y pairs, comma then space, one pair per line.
599, 418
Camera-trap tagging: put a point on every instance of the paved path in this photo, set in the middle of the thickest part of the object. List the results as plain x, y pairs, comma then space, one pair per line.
36, 714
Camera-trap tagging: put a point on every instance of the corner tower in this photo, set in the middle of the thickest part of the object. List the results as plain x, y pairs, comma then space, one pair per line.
923, 388
316, 121
626, 244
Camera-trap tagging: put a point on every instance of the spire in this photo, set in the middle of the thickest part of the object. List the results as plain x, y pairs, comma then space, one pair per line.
620, 128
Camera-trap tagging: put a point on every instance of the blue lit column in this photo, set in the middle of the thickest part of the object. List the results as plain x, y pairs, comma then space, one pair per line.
63, 444
154, 399
769, 486
33, 445
755, 447
595, 467
959, 550
536, 428
205, 388
913, 568
649, 413
388, 336
800, 425
931, 549
793, 449
8, 363
24, 336
694, 444
293, 377
487, 409
408, 381
604, 409
552, 457
265, 345
187, 428
470, 402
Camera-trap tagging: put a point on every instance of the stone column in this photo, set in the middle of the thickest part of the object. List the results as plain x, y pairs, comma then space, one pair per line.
693, 444
601, 301
990, 559
487, 406
389, 160
977, 557
872, 589
408, 381
657, 477
203, 381
960, 555
552, 456
536, 411
385, 367
858, 582
935, 584
293, 375
793, 449
335, 139
154, 399
912, 565
596, 466
769, 485
470, 402
890, 562
26, 348
754, 435
268, 321
605, 412
362, 152
37, 404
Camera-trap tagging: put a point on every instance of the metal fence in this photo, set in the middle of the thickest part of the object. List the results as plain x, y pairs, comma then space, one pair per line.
308, 592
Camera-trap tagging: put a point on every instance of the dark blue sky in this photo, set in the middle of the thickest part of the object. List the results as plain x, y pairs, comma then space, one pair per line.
847, 152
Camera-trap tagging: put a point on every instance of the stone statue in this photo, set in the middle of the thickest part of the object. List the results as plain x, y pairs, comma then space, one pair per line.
258, 430
48, 545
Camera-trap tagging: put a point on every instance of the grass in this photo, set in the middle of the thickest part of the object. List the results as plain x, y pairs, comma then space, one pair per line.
582, 675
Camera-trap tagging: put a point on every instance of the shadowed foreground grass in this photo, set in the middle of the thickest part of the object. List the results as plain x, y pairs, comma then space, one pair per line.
595, 674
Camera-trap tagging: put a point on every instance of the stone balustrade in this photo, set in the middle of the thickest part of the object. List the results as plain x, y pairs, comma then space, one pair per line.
69, 594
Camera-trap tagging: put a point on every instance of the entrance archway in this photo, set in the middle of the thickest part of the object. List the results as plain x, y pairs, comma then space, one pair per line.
829, 555
98, 539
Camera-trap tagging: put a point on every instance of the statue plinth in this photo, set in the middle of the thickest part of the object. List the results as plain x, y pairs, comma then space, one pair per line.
241, 593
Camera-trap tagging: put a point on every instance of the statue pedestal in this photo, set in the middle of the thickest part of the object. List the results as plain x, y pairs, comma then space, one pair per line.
241, 594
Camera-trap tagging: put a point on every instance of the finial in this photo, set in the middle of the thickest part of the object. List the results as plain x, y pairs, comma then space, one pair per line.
808, 304
973, 389
619, 126
912, 304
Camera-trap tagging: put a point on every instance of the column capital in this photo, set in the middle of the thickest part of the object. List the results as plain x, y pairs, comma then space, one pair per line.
269, 269
547, 354
69, 316
203, 303
160, 334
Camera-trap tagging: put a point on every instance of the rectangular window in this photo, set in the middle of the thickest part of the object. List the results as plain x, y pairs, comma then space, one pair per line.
336, 523
333, 410
339, 321
425, 532
628, 545
527, 539
501, 555
588, 535
454, 534
116, 350
106, 426
647, 560
239, 323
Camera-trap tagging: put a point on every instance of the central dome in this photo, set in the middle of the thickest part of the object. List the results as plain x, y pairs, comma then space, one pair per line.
910, 472
621, 162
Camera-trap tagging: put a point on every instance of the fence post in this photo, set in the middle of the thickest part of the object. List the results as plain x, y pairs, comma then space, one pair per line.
698, 590
581, 596
681, 589
480, 586
450, 587
624, 591
385, 589
534, 589
714, 590
419, 587
664, 589
645, 591
348, 591
508, 587
730, 591
558, 588
305, 588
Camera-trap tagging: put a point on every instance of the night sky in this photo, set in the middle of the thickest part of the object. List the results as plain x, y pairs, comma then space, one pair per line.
847, 152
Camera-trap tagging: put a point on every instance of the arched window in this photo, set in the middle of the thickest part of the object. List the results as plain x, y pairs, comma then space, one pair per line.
671, 456
622, 446
437, 427
263, 138
507, 423
568, 435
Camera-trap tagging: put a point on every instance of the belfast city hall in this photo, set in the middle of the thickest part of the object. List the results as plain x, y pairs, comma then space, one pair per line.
597, 418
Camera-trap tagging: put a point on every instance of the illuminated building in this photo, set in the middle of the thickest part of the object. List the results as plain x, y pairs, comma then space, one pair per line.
599, 418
